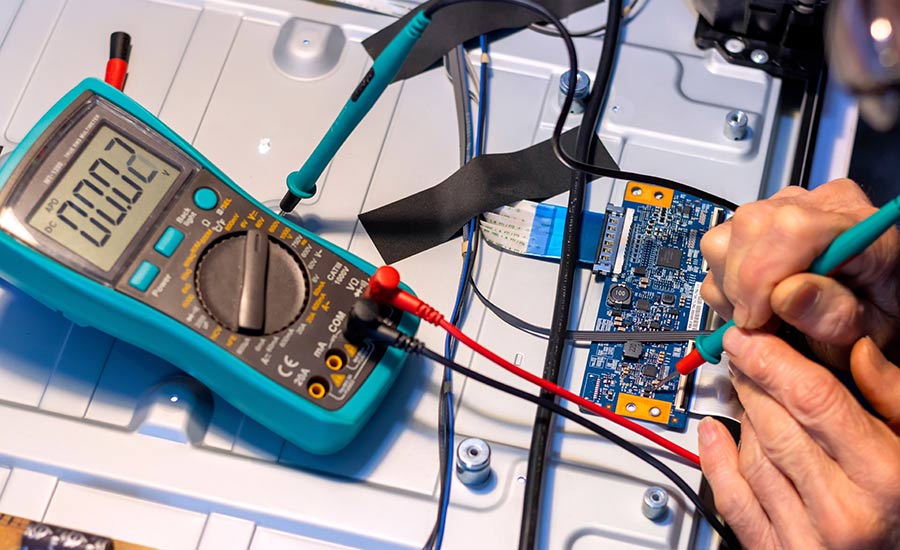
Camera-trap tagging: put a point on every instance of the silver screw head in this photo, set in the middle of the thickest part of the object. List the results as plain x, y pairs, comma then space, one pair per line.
473, 461
735, 45
736, 125
760, 57
655, 504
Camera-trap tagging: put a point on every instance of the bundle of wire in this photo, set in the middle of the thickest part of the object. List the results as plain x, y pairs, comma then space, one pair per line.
384, 288
446, 420
558, 330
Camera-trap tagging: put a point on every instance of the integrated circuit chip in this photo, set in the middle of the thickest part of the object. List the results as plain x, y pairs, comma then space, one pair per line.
669, 257
642, 304
650, 371
633, 350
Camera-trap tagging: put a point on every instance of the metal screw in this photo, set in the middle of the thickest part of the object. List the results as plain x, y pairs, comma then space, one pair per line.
473, 461
760, 57
736, 125
582, 89
655, 503
735, 45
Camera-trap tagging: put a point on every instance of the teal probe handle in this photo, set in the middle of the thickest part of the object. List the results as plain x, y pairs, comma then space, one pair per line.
847, 245
302, 183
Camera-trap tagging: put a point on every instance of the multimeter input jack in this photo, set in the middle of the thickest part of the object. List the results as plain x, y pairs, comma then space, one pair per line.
335, 359
317, 387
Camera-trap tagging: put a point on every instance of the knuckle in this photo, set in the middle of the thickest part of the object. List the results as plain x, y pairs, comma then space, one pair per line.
792, 223
754, 466
714, 244
761, 361
790, 192
733, 505
752, 219
841, 323
815, 397
712, 295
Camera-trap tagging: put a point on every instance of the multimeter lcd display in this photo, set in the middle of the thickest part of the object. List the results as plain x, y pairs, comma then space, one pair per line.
103, 199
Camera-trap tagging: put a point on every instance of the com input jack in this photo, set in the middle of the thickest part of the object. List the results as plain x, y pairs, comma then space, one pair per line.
317, 387
335, 359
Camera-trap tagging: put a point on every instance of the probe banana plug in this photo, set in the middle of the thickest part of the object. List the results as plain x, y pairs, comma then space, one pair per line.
708, 349
117, 66
302, 183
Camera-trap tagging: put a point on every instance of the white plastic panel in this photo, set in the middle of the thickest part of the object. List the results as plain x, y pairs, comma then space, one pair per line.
79, 47
89, 433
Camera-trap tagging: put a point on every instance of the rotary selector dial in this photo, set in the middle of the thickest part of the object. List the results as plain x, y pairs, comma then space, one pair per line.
251, 283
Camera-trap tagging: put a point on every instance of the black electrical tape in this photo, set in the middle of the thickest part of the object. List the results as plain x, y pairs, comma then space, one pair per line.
459, 23
433, 216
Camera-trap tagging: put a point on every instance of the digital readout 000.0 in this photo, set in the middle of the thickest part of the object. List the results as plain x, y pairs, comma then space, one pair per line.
104, 197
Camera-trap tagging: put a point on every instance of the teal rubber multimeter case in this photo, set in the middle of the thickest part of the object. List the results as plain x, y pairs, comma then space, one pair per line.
112, 219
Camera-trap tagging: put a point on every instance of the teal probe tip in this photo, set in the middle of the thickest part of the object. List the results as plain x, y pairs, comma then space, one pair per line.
298, 189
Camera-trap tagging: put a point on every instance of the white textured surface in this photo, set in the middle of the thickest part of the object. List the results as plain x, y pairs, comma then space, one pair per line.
207, 67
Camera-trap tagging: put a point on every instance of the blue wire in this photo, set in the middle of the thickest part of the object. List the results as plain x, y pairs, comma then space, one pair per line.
449, 348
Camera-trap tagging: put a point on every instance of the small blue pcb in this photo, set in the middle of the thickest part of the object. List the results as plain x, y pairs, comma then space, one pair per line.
650, 259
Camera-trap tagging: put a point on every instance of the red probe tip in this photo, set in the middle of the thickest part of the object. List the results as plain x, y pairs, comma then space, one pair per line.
383, 284
690, 362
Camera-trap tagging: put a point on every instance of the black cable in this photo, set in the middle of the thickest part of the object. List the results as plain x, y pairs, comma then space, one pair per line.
541, 29
573, 217
710, 516
587, 136
365, 325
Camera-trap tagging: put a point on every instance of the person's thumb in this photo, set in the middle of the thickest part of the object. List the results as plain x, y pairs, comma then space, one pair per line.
878, 379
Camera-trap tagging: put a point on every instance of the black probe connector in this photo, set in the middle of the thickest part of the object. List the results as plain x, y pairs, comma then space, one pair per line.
366, 323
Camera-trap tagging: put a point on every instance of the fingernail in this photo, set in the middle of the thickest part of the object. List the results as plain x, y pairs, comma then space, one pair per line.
741, 314
734, 341
802, 301
707, 432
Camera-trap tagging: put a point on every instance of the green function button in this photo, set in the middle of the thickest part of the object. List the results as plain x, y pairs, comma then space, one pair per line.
205, 198
168, 242
143, 276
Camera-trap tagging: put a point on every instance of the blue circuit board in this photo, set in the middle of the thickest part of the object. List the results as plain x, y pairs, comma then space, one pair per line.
652, 268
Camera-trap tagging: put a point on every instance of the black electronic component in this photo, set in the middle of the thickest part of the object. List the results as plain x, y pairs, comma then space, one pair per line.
633, 350
669, 257
650, 371
642, 304
668, 299
686, 210
718, 216
619, 296
639, 271
674, 311
655, 325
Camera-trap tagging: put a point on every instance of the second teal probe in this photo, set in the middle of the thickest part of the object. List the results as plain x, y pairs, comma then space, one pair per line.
302, 183
708, 349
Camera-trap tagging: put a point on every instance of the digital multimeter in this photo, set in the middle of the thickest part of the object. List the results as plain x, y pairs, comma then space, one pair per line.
112, 219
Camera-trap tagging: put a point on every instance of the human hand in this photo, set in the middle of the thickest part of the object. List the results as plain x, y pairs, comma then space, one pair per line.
758, 257
814, 469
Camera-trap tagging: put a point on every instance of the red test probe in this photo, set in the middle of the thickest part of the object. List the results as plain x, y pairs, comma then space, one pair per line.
384, 288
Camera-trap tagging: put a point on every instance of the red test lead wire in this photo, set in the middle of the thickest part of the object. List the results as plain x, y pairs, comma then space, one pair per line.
117, 66
384, 288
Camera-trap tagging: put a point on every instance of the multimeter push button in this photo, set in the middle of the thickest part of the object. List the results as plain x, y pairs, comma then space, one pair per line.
168, 242
143, 276
205, 198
